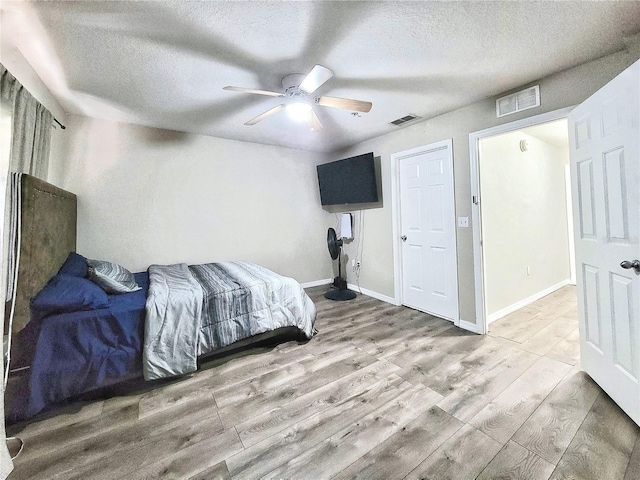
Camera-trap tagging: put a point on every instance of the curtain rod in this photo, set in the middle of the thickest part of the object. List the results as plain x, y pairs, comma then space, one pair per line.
58, 122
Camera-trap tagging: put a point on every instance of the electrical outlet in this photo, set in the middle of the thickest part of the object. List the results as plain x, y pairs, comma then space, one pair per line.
353, 263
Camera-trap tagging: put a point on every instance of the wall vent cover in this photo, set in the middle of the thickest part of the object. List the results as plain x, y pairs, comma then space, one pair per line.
519, 101
405, 119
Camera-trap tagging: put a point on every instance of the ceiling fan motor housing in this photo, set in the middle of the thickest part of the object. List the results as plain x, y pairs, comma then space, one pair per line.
291, 85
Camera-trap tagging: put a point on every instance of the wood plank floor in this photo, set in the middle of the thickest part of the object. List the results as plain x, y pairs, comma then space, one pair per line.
382, 392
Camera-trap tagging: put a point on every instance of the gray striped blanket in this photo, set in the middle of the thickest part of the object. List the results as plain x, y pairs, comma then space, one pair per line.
197, 309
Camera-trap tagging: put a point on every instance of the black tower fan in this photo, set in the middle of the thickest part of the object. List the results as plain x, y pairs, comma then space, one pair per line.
340, 293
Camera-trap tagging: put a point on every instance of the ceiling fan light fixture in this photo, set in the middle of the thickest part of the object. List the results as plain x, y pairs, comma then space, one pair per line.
298, 110
297, 89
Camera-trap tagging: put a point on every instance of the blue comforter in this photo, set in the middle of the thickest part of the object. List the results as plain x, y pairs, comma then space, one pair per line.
81, 351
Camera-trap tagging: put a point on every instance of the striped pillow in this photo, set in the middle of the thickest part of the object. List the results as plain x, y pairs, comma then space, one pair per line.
113, 278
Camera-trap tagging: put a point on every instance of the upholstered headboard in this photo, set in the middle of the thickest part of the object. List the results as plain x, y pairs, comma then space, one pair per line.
48, 234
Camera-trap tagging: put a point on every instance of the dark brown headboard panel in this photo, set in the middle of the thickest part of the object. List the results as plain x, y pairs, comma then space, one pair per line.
48, 234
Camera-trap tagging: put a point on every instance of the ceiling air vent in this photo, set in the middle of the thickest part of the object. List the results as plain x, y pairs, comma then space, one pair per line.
405, 119
516, 102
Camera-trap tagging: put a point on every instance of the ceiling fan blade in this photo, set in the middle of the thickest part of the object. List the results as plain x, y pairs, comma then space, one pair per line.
344, 103
256, 92
314, 122
264, 115
316, 78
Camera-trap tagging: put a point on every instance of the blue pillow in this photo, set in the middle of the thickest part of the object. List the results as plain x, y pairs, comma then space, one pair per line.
75, 265
65, 293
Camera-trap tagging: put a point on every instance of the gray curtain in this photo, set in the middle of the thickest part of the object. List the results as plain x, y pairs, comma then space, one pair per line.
30, 145
31, 133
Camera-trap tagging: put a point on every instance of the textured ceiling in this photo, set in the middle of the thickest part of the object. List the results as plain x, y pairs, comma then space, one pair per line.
164, 64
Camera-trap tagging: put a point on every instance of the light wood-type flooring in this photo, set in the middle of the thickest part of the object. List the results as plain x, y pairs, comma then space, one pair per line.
382, 392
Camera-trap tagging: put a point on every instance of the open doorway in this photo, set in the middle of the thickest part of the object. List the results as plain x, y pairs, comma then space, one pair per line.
526, 223
523, 233
527, 236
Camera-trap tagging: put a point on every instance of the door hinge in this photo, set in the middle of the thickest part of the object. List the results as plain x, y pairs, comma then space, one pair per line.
475, 199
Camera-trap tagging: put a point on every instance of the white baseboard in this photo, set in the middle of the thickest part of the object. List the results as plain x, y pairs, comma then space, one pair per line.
526, 301
351, 286
316, 283
372, 294
472, 327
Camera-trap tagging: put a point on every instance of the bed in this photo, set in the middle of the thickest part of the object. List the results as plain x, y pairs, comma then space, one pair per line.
82, 336
84, 342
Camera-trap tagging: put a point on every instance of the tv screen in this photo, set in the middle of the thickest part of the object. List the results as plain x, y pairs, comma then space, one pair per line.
352, 180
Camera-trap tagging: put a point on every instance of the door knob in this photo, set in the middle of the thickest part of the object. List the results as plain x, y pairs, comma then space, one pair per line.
634, 264
403, 238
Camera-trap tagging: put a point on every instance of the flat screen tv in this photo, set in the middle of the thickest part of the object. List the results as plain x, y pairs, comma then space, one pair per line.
352, 180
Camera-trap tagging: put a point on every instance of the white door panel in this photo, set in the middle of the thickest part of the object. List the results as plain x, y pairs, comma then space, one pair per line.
429, 265
604, 136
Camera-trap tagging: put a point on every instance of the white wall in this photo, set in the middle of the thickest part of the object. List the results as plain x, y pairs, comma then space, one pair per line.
524, 218
562, 89
155, 196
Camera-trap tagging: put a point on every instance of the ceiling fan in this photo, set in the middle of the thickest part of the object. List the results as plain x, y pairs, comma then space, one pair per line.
299, 90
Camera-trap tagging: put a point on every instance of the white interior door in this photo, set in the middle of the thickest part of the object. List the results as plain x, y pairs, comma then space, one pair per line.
604, 136
428, 246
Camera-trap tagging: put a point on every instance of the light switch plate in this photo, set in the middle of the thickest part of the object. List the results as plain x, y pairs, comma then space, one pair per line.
463, 222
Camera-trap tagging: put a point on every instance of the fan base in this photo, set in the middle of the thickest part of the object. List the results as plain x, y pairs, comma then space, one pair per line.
340, 295
339, 283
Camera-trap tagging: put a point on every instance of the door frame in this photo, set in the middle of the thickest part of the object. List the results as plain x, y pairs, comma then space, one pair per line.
476, 201
396, 225
573, 279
